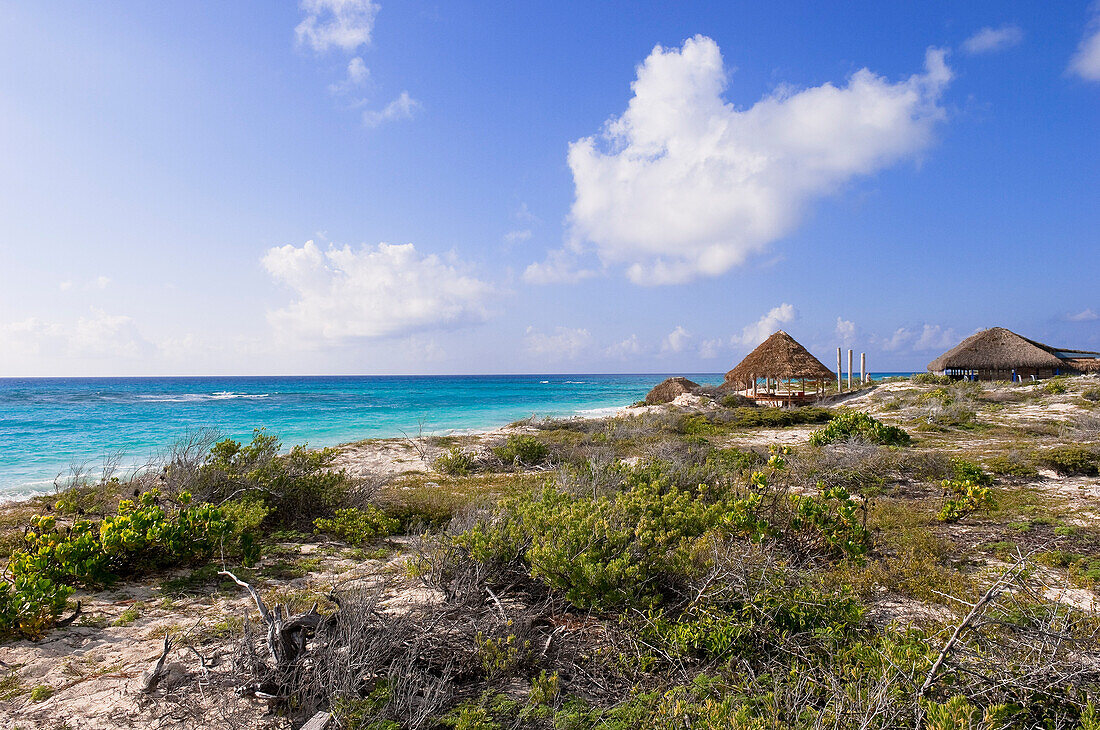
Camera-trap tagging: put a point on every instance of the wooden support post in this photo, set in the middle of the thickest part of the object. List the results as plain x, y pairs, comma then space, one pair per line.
849, 369
863, 367
838, 370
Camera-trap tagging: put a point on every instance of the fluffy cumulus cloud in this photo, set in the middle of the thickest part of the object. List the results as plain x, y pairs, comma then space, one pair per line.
341, 24
990, 40
96, 335
403, 107
929, 337
755, 333
676, 340
684, 184
1086, 61
709, 349
624, 349
560, 267
1085, 315
564, 343
845, 330
371, 292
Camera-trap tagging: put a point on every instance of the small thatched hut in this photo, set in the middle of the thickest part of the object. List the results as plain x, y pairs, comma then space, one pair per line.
666, 391
786, 368
1001, 354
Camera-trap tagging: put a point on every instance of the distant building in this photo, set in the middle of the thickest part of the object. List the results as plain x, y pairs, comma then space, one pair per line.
786, 369
1000, 354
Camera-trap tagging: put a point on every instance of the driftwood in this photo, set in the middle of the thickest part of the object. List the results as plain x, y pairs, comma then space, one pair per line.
151, 677
1003, 583
287, 638
318, 722
70, 619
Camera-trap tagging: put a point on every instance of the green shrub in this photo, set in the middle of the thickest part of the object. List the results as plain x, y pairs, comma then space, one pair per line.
1011, 466
298, 486
777, 417
357, 526
859, 425
142, 537
522, 451
1091, 394
1055, 386
964, 470
455, 462
632, 547
1071, 460
932, 379
963, 497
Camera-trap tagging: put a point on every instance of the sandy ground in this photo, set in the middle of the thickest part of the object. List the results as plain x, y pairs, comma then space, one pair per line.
94, 668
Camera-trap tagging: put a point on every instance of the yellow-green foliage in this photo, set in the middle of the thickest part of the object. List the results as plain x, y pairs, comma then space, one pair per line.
357, 526
627, 547
144, 535
859, 425
962, 498
455, 462
522, 451
298, 486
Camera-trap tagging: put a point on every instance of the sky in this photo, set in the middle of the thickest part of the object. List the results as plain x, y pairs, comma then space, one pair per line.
382, 187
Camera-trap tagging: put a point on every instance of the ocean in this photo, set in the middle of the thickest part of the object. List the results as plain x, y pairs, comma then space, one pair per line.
48, 425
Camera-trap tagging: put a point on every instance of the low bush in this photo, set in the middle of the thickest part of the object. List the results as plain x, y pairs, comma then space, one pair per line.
1091, 393
455, 462
860, 426
145, 535
357, 526
636, 546
1071, 460
962, 497
775, 417
522, 450
298, 486
932, 379
1055, 386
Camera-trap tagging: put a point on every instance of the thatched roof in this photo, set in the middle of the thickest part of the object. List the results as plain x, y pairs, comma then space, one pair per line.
996, 349
1083, 364
779, 356
667, 390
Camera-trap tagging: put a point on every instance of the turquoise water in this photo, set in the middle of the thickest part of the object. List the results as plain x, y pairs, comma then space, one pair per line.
48, 424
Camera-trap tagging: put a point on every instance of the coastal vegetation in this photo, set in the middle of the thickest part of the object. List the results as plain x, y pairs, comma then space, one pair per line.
838, 566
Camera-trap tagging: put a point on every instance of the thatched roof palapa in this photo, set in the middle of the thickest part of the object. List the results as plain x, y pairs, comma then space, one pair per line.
781, 357
996, 349
667, 390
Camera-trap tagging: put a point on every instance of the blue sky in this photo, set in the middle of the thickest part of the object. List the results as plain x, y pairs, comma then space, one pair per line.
350, 186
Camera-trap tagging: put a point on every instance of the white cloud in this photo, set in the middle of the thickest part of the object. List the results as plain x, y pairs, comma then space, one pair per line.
676, 340
845, 330
517, 236
930, 337
96, 335
403, 107
357, 75
684, 184
935, 337
989, 40
382, 291
560, 267
101, 282
65, 285
564, 343
624, 349
709, 349
342, 24
763, 328
1086, 315
1086, 61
